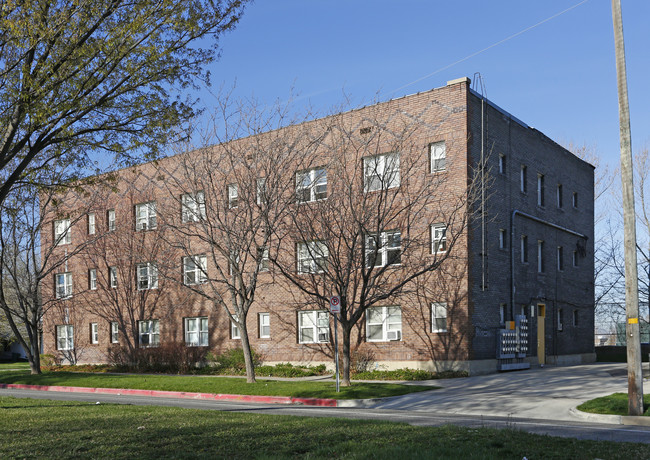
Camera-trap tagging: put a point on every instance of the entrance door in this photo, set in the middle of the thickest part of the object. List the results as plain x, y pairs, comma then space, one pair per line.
541, 345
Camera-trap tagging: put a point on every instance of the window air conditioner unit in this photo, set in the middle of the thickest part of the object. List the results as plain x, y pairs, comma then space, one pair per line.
394, 335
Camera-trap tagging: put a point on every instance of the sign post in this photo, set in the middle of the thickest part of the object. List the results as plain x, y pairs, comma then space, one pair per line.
335, 308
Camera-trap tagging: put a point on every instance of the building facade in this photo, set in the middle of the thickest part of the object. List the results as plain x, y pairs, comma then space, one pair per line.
476, 219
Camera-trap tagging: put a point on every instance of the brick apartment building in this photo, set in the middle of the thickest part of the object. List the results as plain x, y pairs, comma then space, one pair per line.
507, 212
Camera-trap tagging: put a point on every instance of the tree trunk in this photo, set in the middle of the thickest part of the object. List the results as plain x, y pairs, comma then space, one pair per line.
248, 356
34, 362
345, 380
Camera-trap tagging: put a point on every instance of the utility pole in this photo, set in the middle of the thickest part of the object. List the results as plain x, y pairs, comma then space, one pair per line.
634, 371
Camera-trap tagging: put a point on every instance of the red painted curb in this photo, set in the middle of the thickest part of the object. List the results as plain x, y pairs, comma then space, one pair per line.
178, 394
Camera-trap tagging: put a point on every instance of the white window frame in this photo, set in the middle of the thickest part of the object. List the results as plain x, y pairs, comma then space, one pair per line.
387, 321
193, 207
312, 256
63, 285
381, 172
145, 216
149, 329
560, 320
574, 261
110, 219
386, 252
261, 191
92, 221
62, 233
195, 267
264, 320
438, 156
502, 164
503, 238
559, 196
540, 256
147, 273
574, 200
112, 277
197, 331
265, 262
311, 185
540, 190
439, 312
233, 196
94, 333
502, 314
234, 328
115, 332
65, 337
92, 279
438, 238
523, 179
318, 322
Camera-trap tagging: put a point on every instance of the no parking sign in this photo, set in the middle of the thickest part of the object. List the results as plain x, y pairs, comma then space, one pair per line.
335, 304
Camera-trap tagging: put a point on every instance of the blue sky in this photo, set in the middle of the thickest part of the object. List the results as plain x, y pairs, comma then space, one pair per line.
558, 76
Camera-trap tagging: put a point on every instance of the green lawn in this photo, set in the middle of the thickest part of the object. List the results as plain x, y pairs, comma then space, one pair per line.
19, 365
210, 384
61, 429
614, 404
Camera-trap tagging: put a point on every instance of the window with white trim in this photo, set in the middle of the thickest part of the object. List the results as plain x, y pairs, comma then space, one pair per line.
233, 196
115, 332
63, 285
261, 190
383, 324
112, 276
384, 250
65, 337
110, 219
145, 216
438, 153
438, 238
381, 172
149, 333
193, 207
540, 190
234, 328
195, 269
540, 256
313, 327
62, 233
575, 258
503, 239
94, 333
196, 332
312, 256
147, 276
559, 196
92, 279
439, 317
523, 180
575, 199
265, 262
502, 164
91, 223
311, 185
560, 319
265, 325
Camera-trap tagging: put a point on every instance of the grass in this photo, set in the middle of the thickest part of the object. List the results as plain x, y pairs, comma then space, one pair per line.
614, 404
63, 429
14, 365
209, 384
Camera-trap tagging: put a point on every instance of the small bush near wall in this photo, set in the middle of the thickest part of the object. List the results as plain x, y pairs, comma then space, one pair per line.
170, 357
407, 374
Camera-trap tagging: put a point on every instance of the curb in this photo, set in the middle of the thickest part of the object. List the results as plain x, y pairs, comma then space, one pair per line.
180, 394
631, 420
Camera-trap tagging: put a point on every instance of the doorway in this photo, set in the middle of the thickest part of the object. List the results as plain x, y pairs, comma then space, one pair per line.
541, 345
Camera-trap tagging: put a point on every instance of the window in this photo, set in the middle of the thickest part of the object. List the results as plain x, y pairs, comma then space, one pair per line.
503, 239
194, 270
540, 256
502, 164
264, 261
147, 276
540, 190
261, 190
94, 333
560, 258
233, 196
524, 249
575, 199
438, 154
62, 234
193, 207
311, 185
145, 216
312, 256
575, 318
439, 317
92, 279
502, 314
575, 258
381, 172
313, 327
149, 333
115, 332
91, 223
112, 274
265, 325
560, 321
234, 328
559, 196
110, 219
522, 180
65, 337
384, 324
438, 238
385, 250
196, 332
63, 285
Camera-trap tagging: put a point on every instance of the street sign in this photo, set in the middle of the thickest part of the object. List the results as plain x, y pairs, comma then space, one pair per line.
335, 304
